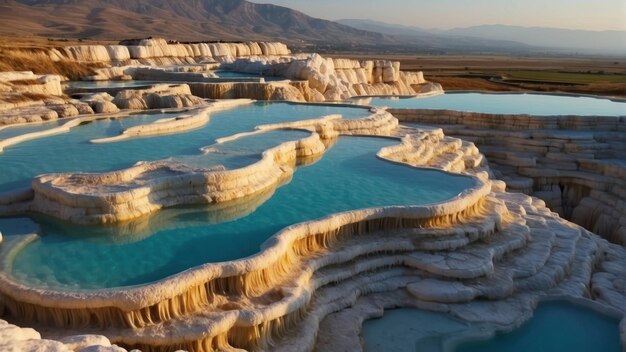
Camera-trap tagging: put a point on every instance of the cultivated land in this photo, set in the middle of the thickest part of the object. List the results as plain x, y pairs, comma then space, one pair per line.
587, 75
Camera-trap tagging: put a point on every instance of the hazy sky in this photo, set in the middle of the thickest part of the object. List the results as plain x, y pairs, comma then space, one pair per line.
573, 14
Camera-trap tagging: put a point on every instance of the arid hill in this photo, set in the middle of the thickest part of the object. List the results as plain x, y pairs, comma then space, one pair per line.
206, 20
191, 20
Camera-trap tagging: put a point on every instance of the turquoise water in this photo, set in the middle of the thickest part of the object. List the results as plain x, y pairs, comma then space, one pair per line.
410, 330
348, 177
233, 74
73, 152
17, 226
243, 151
108, 84
13, 131
532, 104
556, 326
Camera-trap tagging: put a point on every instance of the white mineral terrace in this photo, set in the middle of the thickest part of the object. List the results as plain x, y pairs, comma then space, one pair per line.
575, 163
486, 256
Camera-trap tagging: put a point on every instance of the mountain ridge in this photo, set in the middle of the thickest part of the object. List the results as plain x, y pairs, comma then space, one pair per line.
174, 19
226, 20
608, 41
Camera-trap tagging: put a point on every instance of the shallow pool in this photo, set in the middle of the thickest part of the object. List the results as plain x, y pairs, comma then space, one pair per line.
532, 104
556, 326
73, 152
108, 84
17, 130
234, 74
242, 151
349, 176
410, 330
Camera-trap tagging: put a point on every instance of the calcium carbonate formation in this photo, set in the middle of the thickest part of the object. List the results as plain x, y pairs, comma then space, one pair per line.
487, 256
572, 162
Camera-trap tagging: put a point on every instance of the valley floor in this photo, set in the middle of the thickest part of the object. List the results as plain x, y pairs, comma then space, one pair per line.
586, 75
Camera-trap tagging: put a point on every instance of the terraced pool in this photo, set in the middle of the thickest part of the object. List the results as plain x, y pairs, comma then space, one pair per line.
531, 104
73, 152
349, 176
555, 326
108, 84
234, 74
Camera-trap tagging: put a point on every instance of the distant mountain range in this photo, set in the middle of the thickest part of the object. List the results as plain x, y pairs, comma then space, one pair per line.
569, 40
235, 20
579, 40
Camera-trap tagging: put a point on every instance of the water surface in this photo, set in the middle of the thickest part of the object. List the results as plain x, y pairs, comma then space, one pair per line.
108, 84
348, 177
532, 104
555, 326
72, 151
17, 130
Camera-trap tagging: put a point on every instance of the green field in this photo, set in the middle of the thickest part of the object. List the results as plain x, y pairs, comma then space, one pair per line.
564, 77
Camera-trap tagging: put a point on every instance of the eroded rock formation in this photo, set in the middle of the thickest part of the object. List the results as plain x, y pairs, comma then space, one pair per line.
26, 97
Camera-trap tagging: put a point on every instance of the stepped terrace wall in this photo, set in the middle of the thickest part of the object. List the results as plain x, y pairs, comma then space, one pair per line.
513, 252
506, 249
575, 163
152, 49
328, 79
251, 277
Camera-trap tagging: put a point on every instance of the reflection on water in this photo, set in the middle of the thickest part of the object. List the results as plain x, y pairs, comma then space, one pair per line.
349, 176
167, 219
532, 104
72, 152
555, 326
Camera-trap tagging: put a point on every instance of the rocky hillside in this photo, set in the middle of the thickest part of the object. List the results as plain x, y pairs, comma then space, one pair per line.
190, 20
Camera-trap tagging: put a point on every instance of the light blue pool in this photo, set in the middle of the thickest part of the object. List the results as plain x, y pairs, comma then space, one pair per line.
410, 330
241, 152
556, 326
108, 84
532, 104
234, 74
349, 176
13, 131
73, 152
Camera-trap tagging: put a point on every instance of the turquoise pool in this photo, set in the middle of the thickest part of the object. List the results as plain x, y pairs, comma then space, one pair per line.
556, 326
73, 152
349, 176
410, 330
532, 104
108, 84
13, 131
234, 74
241, 152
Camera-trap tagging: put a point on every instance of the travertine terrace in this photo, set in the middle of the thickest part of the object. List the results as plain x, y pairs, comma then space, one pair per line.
574, 163
486, 256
